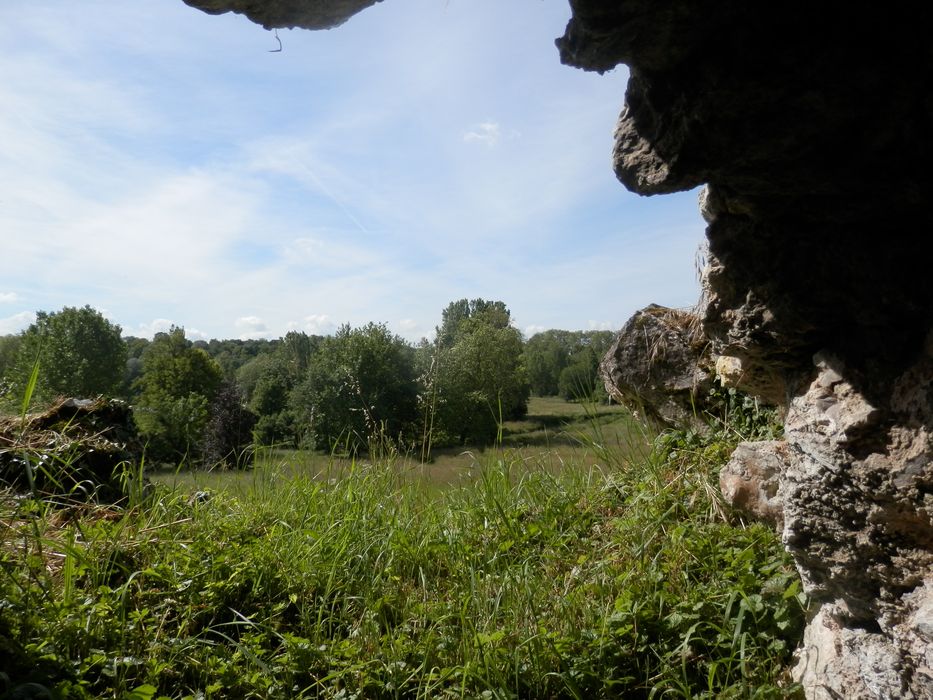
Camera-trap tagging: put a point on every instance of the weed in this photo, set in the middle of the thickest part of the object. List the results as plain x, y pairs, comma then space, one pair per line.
616, 575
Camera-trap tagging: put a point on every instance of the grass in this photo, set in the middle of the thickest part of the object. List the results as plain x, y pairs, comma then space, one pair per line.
555, 435
617, 575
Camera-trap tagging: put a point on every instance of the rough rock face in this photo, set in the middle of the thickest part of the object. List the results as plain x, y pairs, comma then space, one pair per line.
307, 14
812, 126
751, 481
659, 365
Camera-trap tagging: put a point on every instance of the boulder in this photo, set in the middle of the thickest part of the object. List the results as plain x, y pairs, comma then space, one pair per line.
76, 449
659, 365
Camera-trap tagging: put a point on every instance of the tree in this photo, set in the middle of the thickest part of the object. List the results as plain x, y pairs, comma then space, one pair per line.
479, 379
81, 354
360, 386
579, 380
461, 316
549, 354
270, 402
228, 435
177, 386
9, 352
269, 379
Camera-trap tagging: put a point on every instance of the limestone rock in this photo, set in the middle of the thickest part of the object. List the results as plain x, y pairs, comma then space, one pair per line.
750, 481
818, 186
660, 366
307, 14
836, 661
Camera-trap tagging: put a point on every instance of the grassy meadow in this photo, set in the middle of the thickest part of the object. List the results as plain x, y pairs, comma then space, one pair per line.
580, 558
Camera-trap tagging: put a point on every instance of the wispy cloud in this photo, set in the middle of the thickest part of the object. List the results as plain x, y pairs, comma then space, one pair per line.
176, 170
601, 326
251, 328
486, 133
314, 324
533, 330
16, 322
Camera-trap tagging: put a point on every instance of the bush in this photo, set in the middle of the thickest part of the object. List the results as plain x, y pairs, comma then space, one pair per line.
228, 436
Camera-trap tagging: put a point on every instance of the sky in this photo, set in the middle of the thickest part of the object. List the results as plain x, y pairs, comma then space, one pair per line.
165, 167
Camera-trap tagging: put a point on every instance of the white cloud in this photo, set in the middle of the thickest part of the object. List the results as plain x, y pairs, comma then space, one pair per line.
16, 322
487, 133
315, 324
148, 330
533, 330
602, 326
408, 324
251, 328
8, 297
163, 325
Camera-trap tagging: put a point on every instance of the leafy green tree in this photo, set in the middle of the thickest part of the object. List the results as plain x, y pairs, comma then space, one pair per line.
177, 386
550, 353
9, 352
270, 402
135, 347
462, 315
233, 354
579, 380
81, 354
479, 378
360, 385
546, 355
269, 379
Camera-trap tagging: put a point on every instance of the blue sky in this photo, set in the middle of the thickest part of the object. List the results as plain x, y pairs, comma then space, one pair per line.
164, 167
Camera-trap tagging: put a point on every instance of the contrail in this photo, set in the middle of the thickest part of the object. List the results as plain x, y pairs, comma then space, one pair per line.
321, 186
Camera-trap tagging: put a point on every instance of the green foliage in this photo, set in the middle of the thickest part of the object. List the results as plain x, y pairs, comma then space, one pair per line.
580, 380
476, 379
270, 401
81, 355
359, 385
736, 415
9, 352
622, 582
461, 316
550, 353
176, 388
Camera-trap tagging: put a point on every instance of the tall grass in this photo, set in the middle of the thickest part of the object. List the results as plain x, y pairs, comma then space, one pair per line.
624, 579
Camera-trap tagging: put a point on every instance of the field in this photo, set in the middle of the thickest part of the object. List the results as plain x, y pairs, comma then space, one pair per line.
581, 558
555, 435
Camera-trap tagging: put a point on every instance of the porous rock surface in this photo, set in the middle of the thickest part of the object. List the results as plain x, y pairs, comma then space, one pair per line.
751, 480
659, 365
277, 14
811, 125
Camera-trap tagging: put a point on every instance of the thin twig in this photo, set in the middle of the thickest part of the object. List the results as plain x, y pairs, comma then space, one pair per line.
276, 34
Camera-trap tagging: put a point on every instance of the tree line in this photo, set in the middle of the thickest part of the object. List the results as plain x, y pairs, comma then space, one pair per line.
202, 402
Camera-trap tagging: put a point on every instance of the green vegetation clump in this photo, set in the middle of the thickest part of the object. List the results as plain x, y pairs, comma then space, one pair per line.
619, 575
